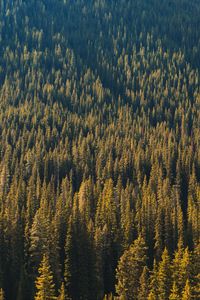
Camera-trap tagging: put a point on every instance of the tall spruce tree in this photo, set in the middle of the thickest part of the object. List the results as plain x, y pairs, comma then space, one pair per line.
44, 282
164, 276
62, 293
187, 294
174, 295
143, 291
153, 281
130, 269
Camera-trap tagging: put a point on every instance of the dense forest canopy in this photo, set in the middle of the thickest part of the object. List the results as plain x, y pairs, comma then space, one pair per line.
99, 149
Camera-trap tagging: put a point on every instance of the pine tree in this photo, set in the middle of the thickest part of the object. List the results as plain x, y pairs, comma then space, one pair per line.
44, 282
40, 236
174, 293
185, 268
130, 269
106, 219
176, 266
85, 197
193, 209
186, 294
159, 234
62, 293
195, 283
144, 284
107, 209
153, 281
68, 258
164, 276
126, 218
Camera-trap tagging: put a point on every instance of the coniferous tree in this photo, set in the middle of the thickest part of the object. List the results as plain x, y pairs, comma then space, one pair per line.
153, 280
99, 144
176, 266
130, 269
68, 259
144, 284
44, 282
186, 294
1, 294
195, 281
62, 293
174, 295
185, 268
39, 237
164, 276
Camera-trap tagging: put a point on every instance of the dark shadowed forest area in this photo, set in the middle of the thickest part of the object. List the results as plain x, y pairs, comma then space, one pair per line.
99, 149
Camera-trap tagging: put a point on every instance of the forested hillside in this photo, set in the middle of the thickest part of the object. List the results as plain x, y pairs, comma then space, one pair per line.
99, 149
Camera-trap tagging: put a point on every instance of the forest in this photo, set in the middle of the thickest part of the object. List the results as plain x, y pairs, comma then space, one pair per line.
99, 149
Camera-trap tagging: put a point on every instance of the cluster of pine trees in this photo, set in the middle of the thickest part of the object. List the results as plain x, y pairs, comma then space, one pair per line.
99, 149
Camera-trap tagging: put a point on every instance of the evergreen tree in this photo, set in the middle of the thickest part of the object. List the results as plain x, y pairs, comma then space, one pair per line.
144, 284
99, 143
176, 266
195, 282
130, 269
39, 236
193, 209
44, 282
186, 294
106, 219
185, 268
153, 281
62, 293
164, 276
68, 259
174, 295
